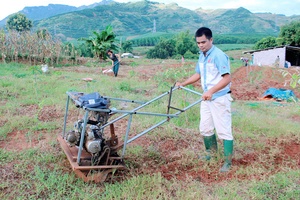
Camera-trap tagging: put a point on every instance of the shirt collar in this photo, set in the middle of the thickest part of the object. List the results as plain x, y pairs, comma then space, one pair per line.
209, 51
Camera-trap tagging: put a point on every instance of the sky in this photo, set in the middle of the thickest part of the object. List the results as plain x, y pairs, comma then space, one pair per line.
287, 7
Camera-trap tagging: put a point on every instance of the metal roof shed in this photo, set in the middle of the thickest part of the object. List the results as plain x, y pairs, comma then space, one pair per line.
268, 57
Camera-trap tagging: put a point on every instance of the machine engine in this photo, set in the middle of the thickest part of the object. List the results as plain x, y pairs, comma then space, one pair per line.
93, 141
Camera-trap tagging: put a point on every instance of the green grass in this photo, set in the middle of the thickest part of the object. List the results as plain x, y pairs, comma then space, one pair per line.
230, 47
32, 110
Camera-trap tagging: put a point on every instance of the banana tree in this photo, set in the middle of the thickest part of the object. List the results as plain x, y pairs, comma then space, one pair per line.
101, 42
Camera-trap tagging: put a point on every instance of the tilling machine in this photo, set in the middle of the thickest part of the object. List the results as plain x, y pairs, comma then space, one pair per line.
92, 149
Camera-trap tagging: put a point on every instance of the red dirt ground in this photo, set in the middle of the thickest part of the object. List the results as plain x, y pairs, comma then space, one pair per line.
247, 84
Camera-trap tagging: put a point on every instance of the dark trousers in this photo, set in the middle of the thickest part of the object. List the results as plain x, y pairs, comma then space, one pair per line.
116, 68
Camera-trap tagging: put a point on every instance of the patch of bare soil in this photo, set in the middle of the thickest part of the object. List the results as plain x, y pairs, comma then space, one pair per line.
171, 165
247, 84
250, 83
22, 139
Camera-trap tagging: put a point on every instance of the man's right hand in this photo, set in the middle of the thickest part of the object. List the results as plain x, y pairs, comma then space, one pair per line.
178, 84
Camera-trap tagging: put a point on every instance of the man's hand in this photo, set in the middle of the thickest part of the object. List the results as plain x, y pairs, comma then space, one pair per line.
207, 96
179, 84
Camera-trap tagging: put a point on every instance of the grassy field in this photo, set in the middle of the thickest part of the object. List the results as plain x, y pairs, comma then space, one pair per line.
33, 166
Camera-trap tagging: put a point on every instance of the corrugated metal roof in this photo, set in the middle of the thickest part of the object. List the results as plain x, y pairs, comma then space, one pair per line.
287, 48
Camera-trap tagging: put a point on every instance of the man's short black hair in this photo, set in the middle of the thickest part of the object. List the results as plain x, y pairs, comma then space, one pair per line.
203, 31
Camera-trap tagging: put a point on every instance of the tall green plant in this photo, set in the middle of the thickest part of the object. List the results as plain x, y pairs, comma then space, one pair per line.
294, 78
102, 41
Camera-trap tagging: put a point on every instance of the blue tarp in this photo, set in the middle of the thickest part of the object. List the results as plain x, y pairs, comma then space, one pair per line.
280, 94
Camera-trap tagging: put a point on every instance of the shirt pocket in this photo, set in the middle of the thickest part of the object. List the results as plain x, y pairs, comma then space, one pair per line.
212, 71
211, 68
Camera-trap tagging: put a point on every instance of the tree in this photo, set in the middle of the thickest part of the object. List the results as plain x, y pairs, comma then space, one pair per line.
290, 34
164, 49
102, 42
179, 45
266, 43
85, 50
185, 42
19, 22
127, 46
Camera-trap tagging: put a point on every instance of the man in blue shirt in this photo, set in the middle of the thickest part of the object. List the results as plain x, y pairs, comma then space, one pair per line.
213, 69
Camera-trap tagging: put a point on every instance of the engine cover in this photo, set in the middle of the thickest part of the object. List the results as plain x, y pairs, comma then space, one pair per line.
72, 138
93, 146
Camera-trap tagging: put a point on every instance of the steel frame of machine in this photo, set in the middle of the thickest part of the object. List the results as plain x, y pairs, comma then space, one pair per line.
78, 156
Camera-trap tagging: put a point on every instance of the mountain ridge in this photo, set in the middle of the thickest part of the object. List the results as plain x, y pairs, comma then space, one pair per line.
136, 18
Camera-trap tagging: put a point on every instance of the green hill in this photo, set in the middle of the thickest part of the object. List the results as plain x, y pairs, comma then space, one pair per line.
144, 17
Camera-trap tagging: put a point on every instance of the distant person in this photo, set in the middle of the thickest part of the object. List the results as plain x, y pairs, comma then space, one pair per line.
213, 69
277, 61
287, 64
115, 62
245, 61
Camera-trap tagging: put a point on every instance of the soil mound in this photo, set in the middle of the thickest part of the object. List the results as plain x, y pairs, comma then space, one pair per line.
250, 83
